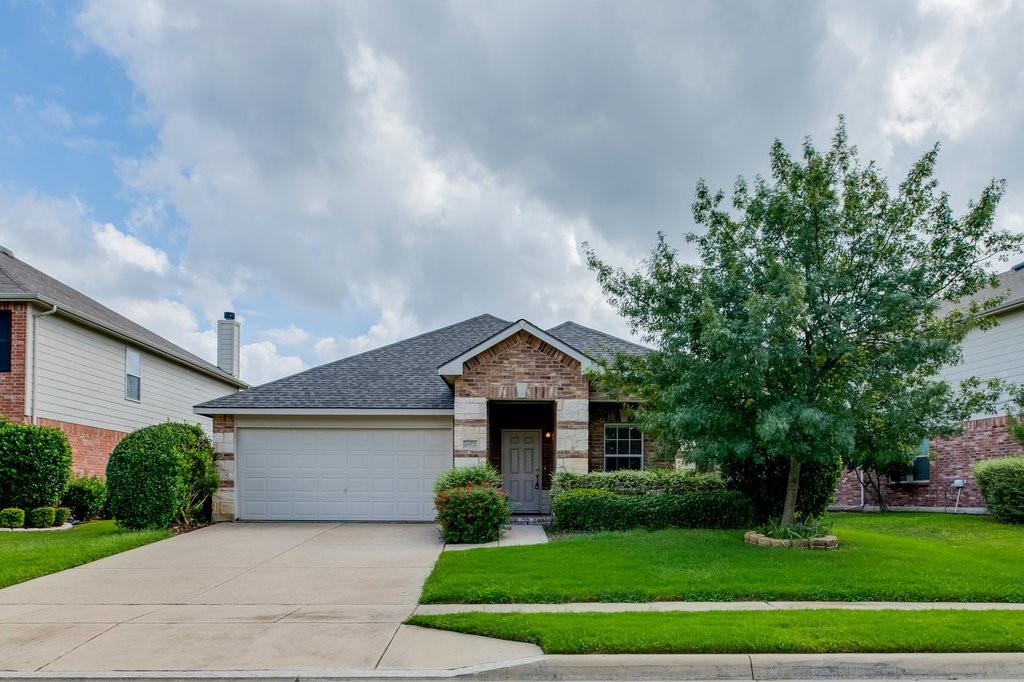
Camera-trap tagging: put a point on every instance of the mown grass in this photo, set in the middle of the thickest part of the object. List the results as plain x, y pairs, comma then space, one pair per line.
722, 632
882, 557
24, 556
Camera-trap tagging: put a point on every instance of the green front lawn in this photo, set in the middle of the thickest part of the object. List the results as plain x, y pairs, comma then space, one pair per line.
721, 632
883, 557
24, 556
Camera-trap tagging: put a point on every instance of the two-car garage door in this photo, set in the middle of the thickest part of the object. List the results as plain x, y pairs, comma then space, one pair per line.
339, 474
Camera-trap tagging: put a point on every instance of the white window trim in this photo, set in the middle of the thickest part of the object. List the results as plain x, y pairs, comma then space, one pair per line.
128, 350
604, 444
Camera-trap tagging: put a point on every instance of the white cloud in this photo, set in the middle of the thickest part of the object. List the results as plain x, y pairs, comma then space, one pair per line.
287, 336
131, 250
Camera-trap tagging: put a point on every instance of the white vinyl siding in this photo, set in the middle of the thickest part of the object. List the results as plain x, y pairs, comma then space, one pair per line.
993, 353
81, 378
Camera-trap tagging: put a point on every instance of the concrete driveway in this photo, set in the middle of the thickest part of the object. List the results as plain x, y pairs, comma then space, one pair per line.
282, 596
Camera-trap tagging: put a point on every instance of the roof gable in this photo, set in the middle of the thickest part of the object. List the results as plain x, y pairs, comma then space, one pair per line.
456, 366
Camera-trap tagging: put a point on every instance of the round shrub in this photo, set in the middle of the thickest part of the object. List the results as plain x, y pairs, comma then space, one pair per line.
478, 474
765, 484
61, 516
86, 497
35, 465
40, 517
12, 517
1001, 482
472, 513
159, 475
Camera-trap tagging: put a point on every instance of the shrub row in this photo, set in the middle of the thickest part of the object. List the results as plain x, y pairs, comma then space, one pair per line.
86, 497
38, 517
646, 482
1001, 482
470, 505
594, 510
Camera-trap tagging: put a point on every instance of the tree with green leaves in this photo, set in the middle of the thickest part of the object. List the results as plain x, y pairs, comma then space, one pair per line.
816, 317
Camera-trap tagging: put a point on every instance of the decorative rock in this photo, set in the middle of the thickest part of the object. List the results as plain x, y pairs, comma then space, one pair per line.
824, 542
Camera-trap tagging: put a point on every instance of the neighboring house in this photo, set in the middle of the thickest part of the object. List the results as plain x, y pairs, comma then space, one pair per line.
70, 362
363, 438
945, 467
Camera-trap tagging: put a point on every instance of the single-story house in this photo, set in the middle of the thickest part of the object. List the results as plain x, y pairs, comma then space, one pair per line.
364, 437
70, 362
942, 478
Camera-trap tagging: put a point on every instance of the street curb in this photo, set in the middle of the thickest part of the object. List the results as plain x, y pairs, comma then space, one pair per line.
1005, 666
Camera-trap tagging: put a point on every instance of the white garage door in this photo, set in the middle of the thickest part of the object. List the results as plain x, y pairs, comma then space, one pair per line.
340, 474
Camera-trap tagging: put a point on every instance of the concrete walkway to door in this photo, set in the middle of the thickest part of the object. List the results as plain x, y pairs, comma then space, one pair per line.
242, 596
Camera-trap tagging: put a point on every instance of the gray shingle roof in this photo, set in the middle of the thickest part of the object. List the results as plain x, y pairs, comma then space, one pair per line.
402, 375
597, 345
21, 281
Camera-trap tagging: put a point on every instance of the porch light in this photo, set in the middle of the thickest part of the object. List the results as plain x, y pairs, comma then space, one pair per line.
547, 434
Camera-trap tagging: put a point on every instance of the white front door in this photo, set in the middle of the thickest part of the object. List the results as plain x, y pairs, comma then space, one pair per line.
521, 469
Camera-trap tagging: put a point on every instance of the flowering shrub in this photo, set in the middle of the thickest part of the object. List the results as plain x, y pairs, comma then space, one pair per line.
472, 513
478, 474
803, 528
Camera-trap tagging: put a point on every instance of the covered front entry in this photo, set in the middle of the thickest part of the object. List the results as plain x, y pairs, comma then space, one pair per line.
521, 447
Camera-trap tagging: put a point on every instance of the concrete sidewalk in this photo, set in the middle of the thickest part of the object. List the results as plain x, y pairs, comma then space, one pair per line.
622, 607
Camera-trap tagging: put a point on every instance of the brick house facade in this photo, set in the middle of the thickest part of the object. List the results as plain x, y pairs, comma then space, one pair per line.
951, 459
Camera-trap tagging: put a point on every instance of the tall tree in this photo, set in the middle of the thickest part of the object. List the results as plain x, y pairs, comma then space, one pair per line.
816, 317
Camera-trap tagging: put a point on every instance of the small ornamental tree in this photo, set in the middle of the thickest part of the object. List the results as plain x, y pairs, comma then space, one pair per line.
817, 315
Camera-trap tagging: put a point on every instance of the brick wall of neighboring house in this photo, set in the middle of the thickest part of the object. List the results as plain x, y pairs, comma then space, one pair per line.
224, 457
951, 459
13, 383
90, 446
612, 413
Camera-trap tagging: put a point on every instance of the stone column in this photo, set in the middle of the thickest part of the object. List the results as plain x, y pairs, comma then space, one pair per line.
224, 458
572, 436
470, 431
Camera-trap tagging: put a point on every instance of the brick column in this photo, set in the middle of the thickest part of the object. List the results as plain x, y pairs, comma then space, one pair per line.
470, 431
224, 457
572, 435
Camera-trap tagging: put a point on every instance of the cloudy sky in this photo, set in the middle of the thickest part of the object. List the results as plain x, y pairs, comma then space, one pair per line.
347, 174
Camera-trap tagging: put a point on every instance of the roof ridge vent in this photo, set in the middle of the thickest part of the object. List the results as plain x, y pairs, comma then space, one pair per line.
7, 252
1017, 267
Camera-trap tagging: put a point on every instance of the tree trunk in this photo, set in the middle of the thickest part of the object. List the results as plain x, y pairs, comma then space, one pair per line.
792, 488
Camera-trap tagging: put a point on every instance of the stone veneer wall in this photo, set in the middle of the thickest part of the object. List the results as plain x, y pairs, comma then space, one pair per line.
13, 384
522, 367
951, 459
224, 458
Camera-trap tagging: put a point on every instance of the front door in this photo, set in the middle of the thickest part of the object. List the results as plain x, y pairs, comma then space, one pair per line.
521, 469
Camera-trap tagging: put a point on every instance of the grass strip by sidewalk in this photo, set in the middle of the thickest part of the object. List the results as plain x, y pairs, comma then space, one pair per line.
723, 632
882, 557
24, 556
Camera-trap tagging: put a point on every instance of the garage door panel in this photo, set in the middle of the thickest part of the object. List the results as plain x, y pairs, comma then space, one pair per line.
340, 474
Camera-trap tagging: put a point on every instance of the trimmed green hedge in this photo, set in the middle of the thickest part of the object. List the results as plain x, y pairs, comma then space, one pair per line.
35, 465
86, 497
460, 477
1001, 482
472, 513
40, 517
12, 517
646, 482
61, 516
595, 510
159, 475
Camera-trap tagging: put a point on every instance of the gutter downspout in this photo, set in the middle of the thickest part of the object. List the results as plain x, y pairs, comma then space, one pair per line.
35, 362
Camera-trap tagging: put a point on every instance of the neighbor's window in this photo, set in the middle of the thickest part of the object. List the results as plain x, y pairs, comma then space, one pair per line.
623, 447
5, 340
133, 374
